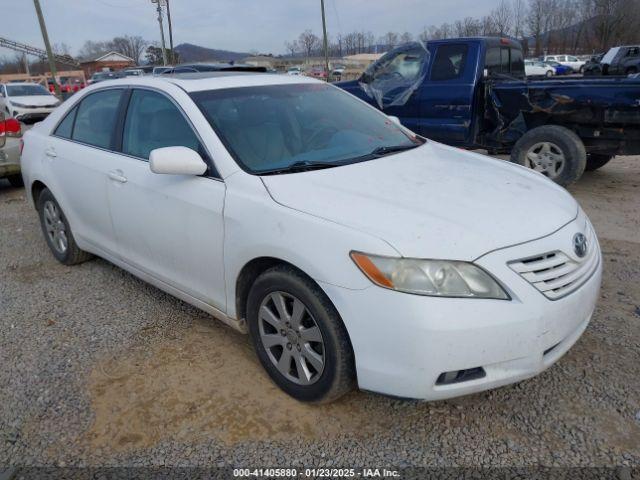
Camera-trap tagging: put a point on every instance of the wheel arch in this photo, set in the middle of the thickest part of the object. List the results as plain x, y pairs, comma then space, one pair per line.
36, 189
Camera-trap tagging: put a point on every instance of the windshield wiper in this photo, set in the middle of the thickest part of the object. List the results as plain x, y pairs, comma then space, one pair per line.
300, 166
386, 150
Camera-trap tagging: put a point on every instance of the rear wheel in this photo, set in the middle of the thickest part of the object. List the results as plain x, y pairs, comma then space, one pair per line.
57, 231
552, 150
549, 73
299, 336
596, 161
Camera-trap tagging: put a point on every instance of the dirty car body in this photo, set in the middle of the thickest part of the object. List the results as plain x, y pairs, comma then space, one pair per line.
352, 250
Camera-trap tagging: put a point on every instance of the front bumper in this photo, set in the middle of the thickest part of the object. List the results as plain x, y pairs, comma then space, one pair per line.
27, 114
403, 343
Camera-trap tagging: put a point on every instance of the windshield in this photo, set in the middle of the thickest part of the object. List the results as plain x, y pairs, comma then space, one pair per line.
274, 127
26, 90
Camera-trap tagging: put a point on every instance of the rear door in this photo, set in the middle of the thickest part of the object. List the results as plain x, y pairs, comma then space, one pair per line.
167, 226
80, 152
447, 94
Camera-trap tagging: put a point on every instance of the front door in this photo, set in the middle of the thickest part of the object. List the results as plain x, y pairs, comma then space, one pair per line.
168, 226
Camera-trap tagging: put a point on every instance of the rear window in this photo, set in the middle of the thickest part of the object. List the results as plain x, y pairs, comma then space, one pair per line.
504, 60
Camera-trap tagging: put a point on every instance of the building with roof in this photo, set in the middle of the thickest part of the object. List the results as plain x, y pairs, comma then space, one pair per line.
107, 61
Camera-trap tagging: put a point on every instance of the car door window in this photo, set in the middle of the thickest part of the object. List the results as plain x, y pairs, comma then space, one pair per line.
449, 62
406, 65
153, 121
96, 118
65, 127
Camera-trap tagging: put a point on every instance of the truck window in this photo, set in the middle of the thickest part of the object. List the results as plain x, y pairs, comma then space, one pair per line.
504, 60
449, 62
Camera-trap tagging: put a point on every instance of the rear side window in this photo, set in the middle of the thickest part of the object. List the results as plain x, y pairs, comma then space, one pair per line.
153, 121
96, 118
65, 128
449, 62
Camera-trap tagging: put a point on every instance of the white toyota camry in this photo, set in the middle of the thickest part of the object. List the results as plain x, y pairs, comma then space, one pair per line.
351, 250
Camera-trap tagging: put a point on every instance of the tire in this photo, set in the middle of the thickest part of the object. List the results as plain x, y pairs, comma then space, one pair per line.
16, 180
596, 161
563, 159
549, 74
581, 69
71, 253
292, 344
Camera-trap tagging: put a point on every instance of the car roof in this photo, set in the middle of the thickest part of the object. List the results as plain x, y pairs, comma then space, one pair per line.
193, 82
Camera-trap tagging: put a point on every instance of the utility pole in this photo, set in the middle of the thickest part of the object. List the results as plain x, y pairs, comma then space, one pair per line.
25, 60
324, 40
173, 56
164, 48
47, 46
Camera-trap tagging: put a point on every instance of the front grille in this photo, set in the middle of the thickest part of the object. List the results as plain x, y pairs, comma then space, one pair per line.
555, 274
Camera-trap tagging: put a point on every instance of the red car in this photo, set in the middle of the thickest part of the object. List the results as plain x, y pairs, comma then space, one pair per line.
317, 72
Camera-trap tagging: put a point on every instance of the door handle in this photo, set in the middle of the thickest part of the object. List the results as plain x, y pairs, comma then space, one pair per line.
50, 152
117, 176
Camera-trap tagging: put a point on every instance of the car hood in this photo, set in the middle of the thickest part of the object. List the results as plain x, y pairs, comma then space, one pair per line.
35, 100
434, 201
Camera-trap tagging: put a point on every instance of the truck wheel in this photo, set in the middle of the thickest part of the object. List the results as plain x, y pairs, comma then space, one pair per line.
595, 161
552, 150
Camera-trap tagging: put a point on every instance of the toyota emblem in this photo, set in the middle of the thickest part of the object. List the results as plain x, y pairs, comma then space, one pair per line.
580, 244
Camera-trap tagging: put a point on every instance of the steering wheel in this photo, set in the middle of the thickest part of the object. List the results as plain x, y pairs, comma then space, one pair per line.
317, 135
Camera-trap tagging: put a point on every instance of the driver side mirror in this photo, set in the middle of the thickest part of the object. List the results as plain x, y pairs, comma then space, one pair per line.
176, 161
3, 130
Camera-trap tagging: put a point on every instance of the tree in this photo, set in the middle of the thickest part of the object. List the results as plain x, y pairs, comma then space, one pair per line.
309, 42
502, 17
519, 10
292, 47
406, 37
130, 46
390, 39
153, 55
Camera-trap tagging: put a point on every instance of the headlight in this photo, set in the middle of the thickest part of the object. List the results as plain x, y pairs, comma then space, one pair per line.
440, 278
19, 105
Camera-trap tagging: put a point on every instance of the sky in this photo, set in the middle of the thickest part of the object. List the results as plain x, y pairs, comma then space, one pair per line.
238, 25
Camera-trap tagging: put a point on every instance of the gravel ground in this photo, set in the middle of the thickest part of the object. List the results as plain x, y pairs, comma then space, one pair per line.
99, 368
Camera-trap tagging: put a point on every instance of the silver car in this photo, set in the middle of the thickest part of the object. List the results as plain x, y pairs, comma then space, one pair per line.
10, 135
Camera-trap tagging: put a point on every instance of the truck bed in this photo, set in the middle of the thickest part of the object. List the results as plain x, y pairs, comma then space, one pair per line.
591, 104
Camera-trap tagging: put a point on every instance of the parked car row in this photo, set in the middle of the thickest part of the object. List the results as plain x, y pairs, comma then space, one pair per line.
622, 60
353, 251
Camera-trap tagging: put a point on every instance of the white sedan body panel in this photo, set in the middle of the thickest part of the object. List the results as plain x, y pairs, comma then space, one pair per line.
192, 236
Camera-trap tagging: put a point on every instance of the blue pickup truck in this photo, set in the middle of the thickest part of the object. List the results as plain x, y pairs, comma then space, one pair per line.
473, 93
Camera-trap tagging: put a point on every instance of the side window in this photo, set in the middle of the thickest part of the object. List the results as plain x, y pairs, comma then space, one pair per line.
406, 65
153, 121
96, 118
572, 59
65, 128
449, 62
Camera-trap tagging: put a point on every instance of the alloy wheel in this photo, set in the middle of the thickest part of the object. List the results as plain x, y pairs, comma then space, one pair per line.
55, 227
546, 158
291, 338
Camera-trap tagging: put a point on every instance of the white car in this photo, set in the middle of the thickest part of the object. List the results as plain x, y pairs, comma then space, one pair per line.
352, 251
575, 63
294, 71
27, 101
534, 68
10, 144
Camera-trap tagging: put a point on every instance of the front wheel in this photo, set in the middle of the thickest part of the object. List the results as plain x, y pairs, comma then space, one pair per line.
552, 150
549, 74
596, 161
299, 336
